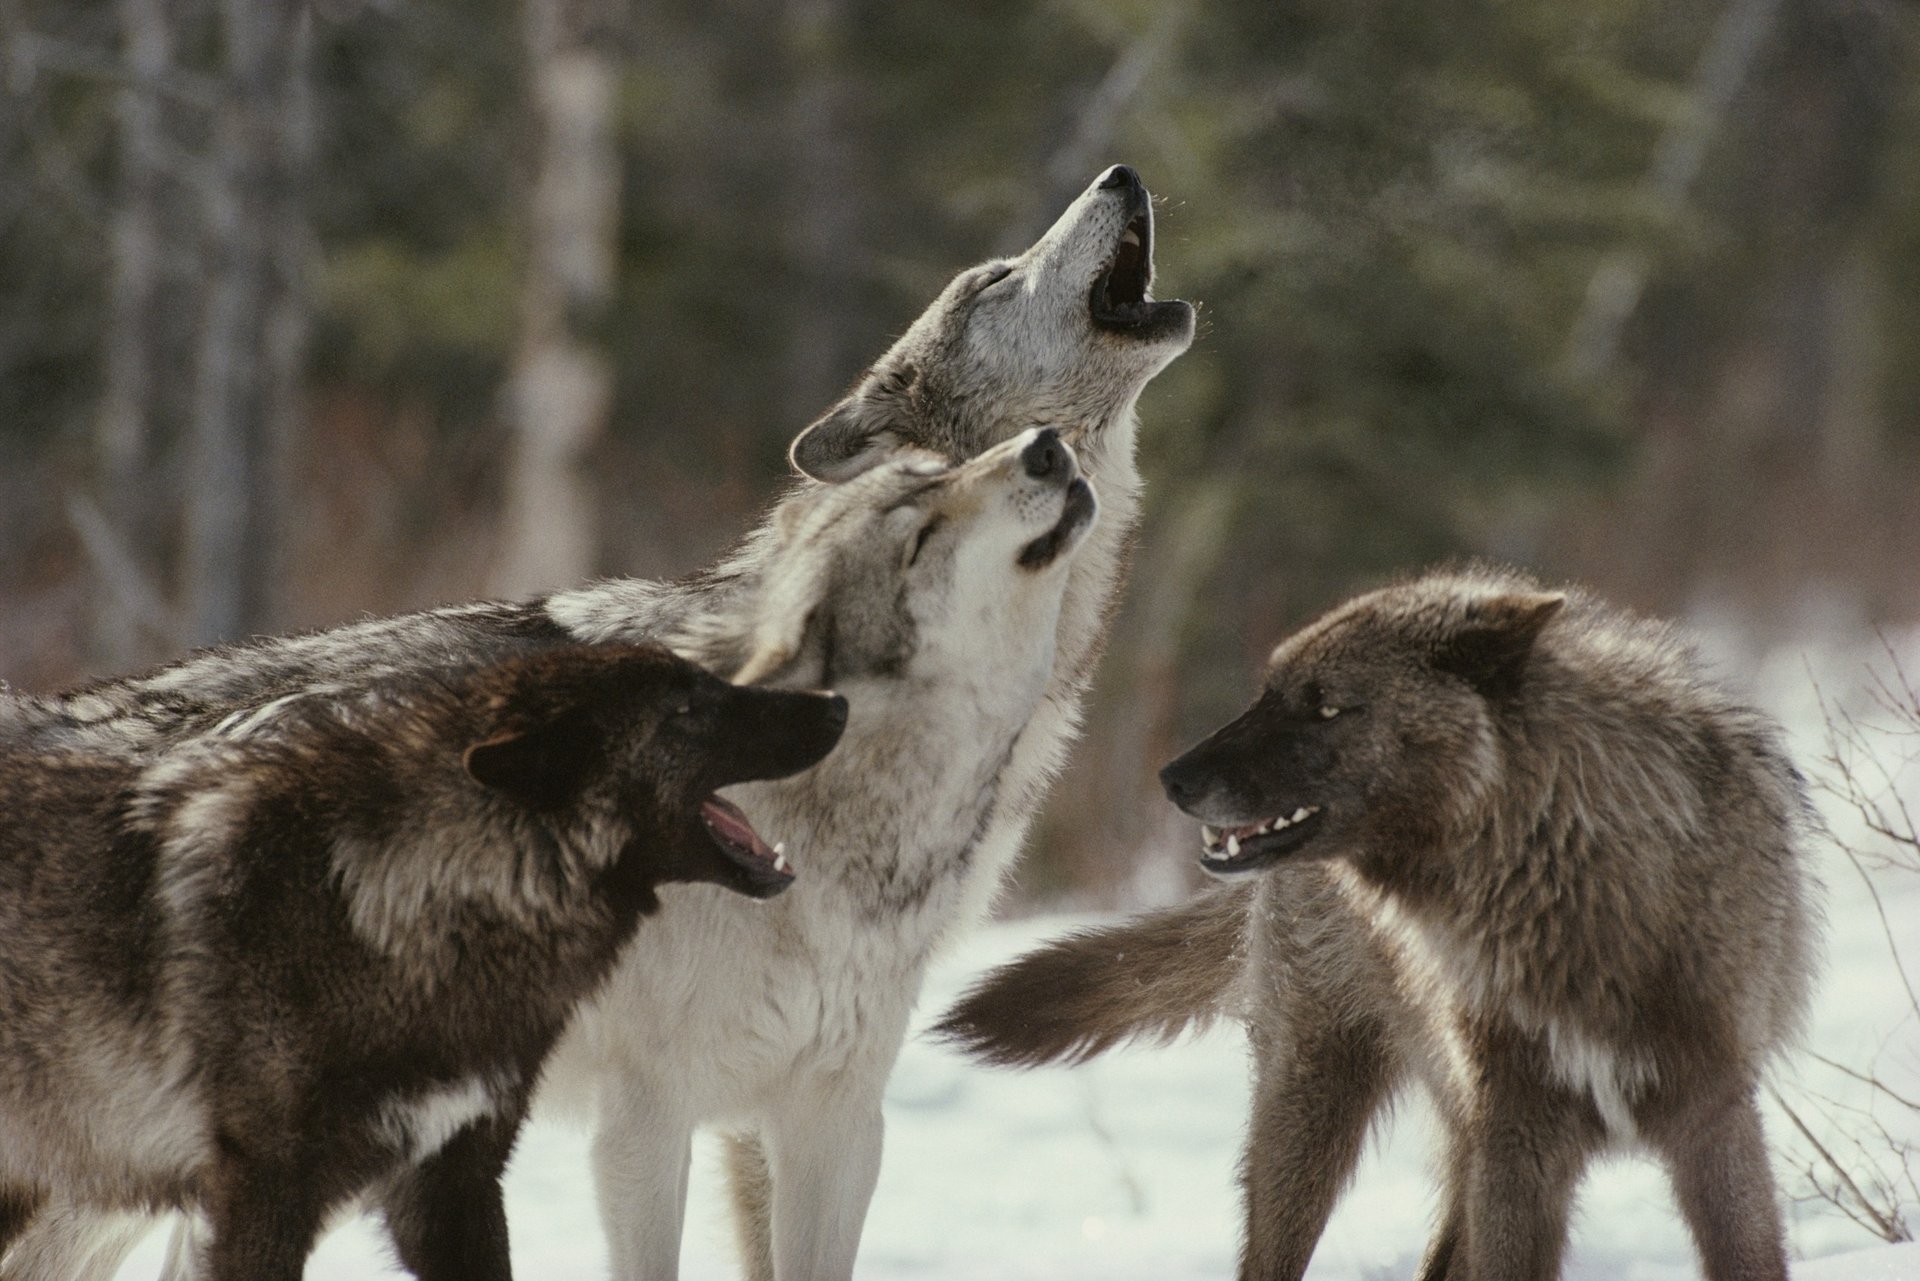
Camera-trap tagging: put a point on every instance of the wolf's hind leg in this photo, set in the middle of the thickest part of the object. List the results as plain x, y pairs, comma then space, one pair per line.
751, 1183
186, 1248
1446, 1252
1724, 1184
446, 1215
73, 1243
1315, 1095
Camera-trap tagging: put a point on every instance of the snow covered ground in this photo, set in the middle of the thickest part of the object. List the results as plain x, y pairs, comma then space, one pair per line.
1124, 1168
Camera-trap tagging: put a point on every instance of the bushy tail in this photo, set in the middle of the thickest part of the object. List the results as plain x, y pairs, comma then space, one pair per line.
1154, 975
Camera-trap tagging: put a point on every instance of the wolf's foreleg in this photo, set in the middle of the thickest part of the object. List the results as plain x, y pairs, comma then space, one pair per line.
641, 1154
446, 1215
1316, 1094
1724, 1184
265, 1220
824, 1156
1528, 1146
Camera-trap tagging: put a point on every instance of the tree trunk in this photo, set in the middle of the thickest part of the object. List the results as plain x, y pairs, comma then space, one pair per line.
252, 324
561, 384
823, 208
123, 431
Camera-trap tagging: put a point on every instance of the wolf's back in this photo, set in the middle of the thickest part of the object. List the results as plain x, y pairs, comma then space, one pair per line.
1154, 975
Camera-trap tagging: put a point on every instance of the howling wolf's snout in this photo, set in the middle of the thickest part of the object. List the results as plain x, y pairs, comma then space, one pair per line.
1046, 458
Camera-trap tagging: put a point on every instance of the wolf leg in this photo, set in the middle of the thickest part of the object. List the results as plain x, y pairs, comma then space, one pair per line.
1528, 1145
446, 1215
1445, 1259
1724, 1184
1315, 1094
73, 1243
265, 1220
18, 1205
641, 1154
185, 1248
752, 1185
824, 1154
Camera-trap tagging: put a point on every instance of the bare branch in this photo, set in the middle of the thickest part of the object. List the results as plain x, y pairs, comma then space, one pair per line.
1864, 1078
1886, 1225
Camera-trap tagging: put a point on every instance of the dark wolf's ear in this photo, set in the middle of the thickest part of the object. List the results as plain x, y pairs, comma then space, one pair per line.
1489, 645
543, 767
848, 439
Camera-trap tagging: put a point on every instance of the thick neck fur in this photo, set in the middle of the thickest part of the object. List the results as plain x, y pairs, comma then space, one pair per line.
1574, 887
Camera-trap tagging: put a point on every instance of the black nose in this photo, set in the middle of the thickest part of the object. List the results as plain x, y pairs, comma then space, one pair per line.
1046, 457
1181, 787
1120, 176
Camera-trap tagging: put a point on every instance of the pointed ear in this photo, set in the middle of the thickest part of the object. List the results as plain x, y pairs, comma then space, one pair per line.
543, 767
848, 439
1489, 646
792, 603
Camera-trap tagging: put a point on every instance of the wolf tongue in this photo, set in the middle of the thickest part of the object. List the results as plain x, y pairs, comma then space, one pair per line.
727, 822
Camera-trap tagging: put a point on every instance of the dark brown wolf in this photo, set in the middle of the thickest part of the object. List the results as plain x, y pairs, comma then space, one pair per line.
322, 955
1512, 843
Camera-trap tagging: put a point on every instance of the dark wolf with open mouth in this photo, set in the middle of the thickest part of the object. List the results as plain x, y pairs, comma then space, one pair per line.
1506, 841
322, 955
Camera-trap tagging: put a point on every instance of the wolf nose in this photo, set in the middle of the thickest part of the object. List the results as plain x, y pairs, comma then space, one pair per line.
1179, 789
1045, 458
1120, 176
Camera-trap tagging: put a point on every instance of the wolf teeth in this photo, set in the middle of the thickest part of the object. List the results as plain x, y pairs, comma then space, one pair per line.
1130, 237
1233, 847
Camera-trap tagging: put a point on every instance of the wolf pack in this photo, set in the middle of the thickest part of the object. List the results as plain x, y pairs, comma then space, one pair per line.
307, 926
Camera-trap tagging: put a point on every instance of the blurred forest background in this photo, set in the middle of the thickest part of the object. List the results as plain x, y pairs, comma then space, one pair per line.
307, 312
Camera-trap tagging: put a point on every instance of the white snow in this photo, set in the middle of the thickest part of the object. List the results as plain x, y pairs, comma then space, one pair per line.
1124, 1169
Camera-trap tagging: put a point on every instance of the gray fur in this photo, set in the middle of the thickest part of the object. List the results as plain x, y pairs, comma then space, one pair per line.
1543, 865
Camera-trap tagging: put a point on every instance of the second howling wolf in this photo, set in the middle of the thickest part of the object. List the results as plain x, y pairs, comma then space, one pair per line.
1510, 843
1064, 337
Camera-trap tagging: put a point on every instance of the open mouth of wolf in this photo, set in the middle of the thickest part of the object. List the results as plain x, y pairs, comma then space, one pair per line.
1118, 301
1074, 515
767, 869
1226, 851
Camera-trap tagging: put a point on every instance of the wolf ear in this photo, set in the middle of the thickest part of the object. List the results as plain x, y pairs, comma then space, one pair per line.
1489, 647
846, 440
542, 768
791, 606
